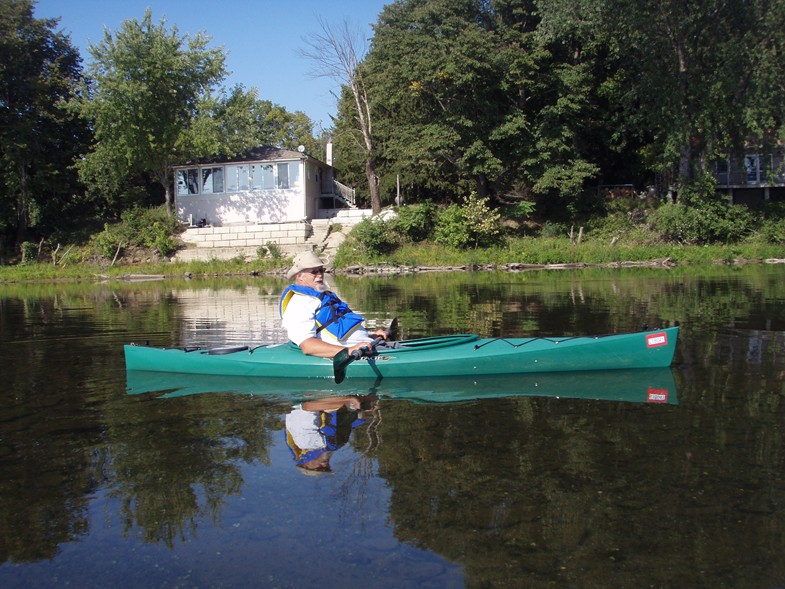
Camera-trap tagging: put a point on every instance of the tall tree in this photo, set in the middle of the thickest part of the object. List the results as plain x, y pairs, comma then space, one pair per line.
146, 86
39, 71
336, 53
469, 96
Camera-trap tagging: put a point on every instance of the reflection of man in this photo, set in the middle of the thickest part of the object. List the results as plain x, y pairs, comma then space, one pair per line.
316, 429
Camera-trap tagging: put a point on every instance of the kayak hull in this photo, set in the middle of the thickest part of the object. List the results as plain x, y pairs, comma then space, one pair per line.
448, 356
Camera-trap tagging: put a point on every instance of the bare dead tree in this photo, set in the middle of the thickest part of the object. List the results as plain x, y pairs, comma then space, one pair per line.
336, 53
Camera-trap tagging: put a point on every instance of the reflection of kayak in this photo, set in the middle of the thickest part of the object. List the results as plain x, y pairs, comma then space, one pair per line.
648, 385
456, 355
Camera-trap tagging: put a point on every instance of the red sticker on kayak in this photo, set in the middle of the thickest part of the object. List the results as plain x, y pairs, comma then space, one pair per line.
657, 395
654, 340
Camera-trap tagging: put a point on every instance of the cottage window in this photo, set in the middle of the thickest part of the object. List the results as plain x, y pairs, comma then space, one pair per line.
212, 180
262, 177
187, 181
288, 174
283, 176
237, 179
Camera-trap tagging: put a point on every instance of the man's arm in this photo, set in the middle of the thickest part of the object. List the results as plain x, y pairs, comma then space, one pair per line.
313, 346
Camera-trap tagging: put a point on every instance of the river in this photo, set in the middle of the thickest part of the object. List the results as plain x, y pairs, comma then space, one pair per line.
555, 483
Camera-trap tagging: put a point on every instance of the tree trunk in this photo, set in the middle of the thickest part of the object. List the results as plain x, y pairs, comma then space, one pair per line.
163, 178
373, 184
168, 198
23, 214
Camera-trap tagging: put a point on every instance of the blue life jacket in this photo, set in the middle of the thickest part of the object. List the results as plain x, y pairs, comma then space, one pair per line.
333, 315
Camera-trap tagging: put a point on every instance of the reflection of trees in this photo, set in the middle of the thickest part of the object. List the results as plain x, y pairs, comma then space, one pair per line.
50, 442
175, 468
596, 494
64, 431
45, 488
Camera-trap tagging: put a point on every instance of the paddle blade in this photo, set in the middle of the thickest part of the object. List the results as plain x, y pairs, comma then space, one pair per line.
340, 361
392, 329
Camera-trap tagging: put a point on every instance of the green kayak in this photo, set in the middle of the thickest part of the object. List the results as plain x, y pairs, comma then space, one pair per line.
455, 355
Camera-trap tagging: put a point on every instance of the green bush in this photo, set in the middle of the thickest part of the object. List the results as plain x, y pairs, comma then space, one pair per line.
472, 223
520, 211
272, 249
772, 231
610, 226
151, 228
551, 229
415, 222
451, 228
106, 243
698, 191
712, 221
375, 236
29, 252
163, 242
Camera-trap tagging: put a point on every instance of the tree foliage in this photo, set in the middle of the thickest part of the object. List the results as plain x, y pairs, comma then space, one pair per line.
147, 84
39, 138
546, 99
469, 99
229, 124
521, 102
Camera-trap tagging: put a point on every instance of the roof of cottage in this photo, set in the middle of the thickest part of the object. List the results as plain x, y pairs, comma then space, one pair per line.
263, 153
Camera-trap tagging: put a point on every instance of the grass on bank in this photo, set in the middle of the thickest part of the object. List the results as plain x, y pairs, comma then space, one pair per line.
526, 250
562, 251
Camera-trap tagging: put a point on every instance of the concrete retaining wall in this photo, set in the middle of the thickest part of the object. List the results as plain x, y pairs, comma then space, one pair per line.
230, 241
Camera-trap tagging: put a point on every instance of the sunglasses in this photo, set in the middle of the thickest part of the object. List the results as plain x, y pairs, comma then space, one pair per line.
314, 270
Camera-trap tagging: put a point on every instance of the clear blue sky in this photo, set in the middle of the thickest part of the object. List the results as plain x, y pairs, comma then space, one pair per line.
262, 38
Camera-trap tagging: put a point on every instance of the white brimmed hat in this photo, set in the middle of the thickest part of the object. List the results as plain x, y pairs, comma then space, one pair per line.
303, 261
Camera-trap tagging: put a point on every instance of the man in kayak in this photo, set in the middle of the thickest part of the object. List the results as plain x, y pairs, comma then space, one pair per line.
315, 318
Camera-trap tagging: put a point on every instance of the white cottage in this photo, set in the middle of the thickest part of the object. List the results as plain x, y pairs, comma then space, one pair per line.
267, 195
264, 185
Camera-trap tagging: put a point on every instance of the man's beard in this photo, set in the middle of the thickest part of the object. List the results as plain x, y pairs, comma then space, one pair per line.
321, 287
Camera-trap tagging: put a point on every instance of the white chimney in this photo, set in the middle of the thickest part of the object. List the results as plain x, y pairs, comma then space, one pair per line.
329, 153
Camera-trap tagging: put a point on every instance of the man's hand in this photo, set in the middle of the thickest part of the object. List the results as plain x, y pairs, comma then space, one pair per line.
361, 347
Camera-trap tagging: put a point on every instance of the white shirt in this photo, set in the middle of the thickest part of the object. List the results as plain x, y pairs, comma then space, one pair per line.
303, 426
299, 321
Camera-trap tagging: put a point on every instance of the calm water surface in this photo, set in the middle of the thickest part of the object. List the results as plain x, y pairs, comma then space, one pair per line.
554, 483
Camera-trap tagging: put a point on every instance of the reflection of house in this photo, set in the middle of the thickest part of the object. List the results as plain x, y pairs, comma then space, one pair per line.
752, 178
267, 195
226, 316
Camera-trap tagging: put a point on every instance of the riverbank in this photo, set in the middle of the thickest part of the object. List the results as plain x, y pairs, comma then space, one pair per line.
161, 270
